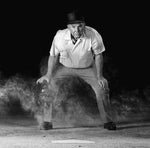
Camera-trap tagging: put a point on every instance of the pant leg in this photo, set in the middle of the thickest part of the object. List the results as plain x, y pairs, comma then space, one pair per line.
102, 95
59, 74
48, 106
47, 115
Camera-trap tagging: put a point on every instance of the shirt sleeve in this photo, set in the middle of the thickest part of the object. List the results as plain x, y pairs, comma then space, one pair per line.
97, 43
54, 50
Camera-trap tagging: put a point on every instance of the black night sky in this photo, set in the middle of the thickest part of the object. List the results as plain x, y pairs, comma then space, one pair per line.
28, 29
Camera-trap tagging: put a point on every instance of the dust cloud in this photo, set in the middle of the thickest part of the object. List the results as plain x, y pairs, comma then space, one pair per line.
74, 103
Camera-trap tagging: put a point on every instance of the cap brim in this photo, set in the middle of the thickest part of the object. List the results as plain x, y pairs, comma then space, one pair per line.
75, 22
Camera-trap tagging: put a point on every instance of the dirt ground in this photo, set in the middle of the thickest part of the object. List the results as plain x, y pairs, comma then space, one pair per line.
23, 132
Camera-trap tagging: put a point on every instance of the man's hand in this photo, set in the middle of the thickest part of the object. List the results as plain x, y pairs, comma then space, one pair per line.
42, 79
103, 82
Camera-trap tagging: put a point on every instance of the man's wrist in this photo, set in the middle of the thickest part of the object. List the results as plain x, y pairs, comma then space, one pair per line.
99, 76
49, 74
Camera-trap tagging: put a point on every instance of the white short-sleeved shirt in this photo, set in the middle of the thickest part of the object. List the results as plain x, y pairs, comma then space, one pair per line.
81, 54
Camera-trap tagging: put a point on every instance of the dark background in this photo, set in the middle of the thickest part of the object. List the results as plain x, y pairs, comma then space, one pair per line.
27, 30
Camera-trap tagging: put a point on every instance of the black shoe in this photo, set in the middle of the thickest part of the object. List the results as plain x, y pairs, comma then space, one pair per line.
110, 126
46, 126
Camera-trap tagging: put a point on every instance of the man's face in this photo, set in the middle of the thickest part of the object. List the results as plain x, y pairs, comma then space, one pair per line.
76, 29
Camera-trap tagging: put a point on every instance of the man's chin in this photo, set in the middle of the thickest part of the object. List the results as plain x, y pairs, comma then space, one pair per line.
76, 37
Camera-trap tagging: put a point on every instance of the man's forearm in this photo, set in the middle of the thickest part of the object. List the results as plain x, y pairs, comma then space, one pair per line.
99, 65
52, 63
